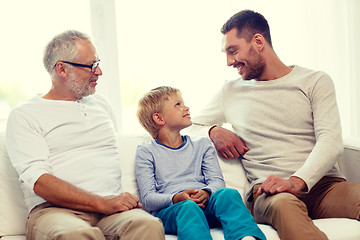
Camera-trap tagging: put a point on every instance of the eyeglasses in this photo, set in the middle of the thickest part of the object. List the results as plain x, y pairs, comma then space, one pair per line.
93, 66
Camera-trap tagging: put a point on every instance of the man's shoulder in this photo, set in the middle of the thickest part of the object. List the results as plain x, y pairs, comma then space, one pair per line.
309, 73
29, 105
233, 82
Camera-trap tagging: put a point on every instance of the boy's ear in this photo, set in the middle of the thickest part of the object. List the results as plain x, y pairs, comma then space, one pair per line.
158, 119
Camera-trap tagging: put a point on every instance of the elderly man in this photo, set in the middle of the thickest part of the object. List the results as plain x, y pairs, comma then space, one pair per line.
287, 129
63, 146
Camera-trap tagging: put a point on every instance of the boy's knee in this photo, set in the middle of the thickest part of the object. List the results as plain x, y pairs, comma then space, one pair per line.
189, 207
228, 193
188, 204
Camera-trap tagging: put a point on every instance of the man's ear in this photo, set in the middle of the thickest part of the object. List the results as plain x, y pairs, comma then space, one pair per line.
60, 69
158, 119
259, 41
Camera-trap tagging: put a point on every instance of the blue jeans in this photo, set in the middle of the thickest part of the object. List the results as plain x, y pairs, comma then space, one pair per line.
225, 208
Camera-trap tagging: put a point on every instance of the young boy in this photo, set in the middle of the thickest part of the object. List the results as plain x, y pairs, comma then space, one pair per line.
180, 179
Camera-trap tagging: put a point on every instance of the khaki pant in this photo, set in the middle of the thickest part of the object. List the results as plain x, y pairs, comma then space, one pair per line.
47, 221
292, 215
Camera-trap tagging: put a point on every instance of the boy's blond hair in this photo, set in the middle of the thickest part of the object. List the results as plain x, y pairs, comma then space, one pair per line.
153, 102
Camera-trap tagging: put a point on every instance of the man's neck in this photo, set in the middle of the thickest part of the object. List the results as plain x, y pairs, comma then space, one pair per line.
274, 67
54, 95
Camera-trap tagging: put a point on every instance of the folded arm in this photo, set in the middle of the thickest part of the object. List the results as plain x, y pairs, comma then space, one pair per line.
61, 193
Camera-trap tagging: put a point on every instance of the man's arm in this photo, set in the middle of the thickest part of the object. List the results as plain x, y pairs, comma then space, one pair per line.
227, 143
61, 193
208, 123
328, 147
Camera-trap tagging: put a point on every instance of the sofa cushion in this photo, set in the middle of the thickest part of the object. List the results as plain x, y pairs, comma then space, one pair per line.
13, 210
127, 148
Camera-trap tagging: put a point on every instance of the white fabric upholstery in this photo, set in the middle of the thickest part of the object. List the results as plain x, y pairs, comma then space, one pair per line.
13, 213
350, 164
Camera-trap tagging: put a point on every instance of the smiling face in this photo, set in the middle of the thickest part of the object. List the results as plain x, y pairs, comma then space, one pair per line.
175, 114
81, 81
242, 55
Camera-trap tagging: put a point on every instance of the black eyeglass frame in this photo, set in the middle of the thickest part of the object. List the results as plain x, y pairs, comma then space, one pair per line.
92, 66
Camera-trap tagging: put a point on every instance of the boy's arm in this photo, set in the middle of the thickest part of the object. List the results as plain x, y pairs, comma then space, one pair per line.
145, 177
211, 169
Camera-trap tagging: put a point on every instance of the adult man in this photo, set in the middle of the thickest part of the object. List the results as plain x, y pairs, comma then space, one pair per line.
288, 132
63, 146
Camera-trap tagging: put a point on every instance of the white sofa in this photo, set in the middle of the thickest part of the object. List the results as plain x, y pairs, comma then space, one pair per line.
13, 213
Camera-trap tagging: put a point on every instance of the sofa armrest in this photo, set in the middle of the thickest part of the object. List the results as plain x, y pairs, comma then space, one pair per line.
350, 164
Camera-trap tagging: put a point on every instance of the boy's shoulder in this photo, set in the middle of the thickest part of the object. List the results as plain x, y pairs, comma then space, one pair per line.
198, 139
146, 143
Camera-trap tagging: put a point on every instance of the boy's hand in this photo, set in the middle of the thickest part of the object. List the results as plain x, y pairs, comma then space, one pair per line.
198, 196
201, 198
185, 195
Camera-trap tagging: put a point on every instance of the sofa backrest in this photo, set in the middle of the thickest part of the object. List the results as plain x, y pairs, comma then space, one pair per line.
13, 211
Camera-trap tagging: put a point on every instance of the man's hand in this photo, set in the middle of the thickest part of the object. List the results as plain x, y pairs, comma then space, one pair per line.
198, 196
120, 203
274, 185
227, 143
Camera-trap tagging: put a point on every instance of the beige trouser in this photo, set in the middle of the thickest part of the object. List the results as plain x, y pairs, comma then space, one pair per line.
47, 221
292, 215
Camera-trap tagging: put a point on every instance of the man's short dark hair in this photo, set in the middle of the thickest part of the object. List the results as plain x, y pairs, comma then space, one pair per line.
248, 23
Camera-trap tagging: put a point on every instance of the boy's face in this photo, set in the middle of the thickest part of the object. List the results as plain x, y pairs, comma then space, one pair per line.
175, 114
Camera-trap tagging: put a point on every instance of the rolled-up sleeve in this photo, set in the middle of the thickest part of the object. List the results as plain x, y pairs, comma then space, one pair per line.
27, 150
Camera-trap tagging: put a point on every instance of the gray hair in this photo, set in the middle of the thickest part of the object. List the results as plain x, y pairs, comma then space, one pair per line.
62, 47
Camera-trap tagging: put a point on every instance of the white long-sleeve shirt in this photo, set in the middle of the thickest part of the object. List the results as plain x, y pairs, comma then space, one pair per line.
291, 125
72, 140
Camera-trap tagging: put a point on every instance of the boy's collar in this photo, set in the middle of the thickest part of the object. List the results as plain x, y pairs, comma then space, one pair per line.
184, 142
